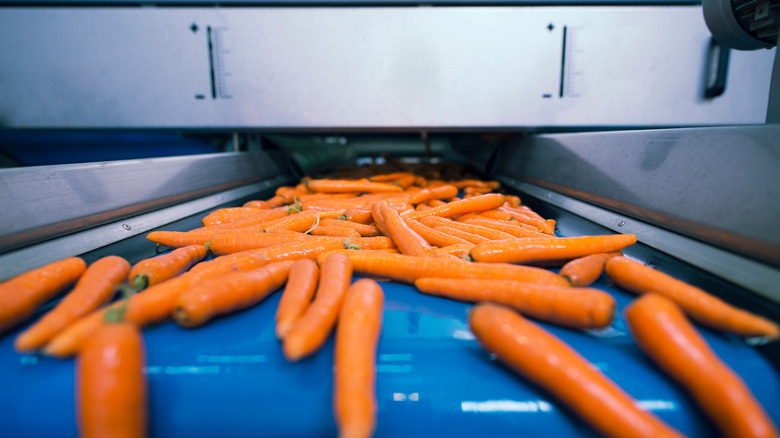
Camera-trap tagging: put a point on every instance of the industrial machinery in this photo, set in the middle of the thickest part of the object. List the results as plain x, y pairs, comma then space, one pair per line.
120, 117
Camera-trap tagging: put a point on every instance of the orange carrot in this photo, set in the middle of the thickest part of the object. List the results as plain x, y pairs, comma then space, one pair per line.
407, 269
405, 238
362, 229
273, 202
488, 233
379, 220
513, 201
340, 186
180, 239
95, 287
301, 284
152, 305
458, 250
21, 295
112, 394
663, 332
527, 216
583, 271
435, 237
301, 222
313, 328
701, 306
516, 219
359, 215
259, 219
527, 250
581, 308
357, 336
440, 192
515, 229
545, 360
463, 235
322, 230
227, 215
477, 203
231, 242
151, 271
390, 176
228, 293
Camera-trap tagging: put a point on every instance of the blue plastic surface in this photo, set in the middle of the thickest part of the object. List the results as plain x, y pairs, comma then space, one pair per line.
229, 378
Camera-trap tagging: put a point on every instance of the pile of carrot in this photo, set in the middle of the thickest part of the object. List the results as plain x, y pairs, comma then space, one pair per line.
452, 237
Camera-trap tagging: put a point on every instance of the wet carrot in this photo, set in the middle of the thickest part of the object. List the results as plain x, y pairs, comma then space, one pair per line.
460, 234
21, 295
228, 293
477, 203
407, 269
232, 242
440, 192
435, 237
255, 220
487, 233
517, 219
458, 250
583, 271
405, 238
514, 229
344, 185
180, 239
227, 215
548, 362
528, 250
151, 271
301, 222
152, 305
362, 229
663, 332
580, 308
95, 287
701, 306
312, 329
357, 337
112, 393
322, 230
301, 284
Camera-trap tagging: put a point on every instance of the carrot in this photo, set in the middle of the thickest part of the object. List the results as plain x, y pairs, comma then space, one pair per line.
663, 332
152, 305
21, 295
261, 218
581, 308
527, 250
95, 287
516, 219
112, 394
322, 230
527, 216
180, 239
357, 336
701, 306
477, 203
301, 222
435, 237
583, 271
513, 228
273, 202
362, 229
231, 242
405, 238
407, 269
440, 192
460, 234
545, 360
488, 233
228, 293
390, 176
320, 196
343, 185
301, 284
379, 220
513, 201
151, 271
458, 250
359, 215
311, 330
227, 215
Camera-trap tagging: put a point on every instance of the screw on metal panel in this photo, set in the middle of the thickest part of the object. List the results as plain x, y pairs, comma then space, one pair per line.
621, 223
125, 226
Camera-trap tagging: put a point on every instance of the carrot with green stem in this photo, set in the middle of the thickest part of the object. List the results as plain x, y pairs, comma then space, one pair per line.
22, 295
228, 293
663, 332
583, 271
531, 250
311, 330
548, 362
700, 305
95, 287
151, 271
301, 284
357, 337
476, 203
152, 305
407, 269
580, 308
112, 389
405, 238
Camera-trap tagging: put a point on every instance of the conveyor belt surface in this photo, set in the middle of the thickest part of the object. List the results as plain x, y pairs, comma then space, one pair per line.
229, 377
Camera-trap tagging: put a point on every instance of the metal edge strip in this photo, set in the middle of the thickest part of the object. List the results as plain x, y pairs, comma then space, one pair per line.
31, 257
751, 275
